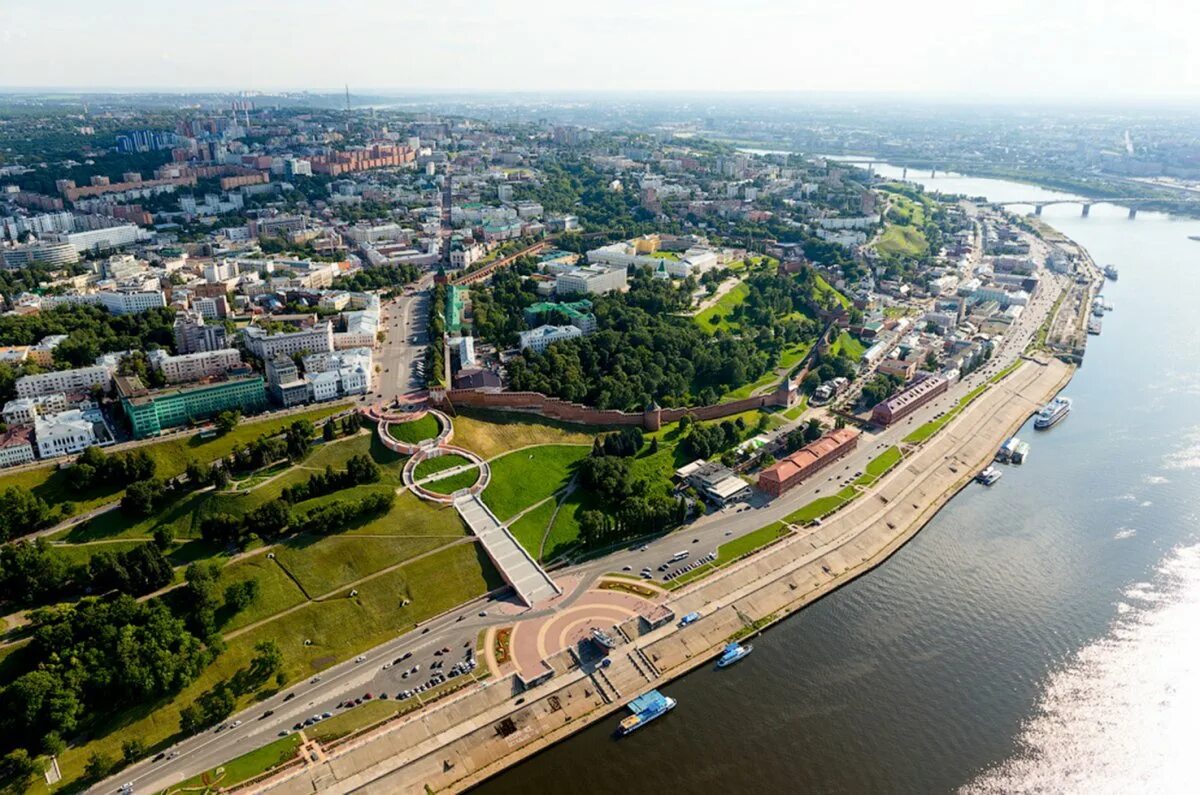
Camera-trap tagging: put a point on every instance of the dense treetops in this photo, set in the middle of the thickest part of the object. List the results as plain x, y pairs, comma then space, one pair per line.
642, 353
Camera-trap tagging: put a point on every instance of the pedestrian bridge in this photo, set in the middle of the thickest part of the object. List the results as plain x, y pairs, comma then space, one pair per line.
515, 565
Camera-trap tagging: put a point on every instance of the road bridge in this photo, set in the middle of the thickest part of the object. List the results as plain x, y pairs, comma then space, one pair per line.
1131, 202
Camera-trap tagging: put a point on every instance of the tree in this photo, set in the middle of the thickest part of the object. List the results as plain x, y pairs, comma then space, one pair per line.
329, 432
17, 770
164, 536
240, 595
21, 512
226, 421
98, 766
812, 430
132, 750
191, 719
267, 660
53, 744
141, 497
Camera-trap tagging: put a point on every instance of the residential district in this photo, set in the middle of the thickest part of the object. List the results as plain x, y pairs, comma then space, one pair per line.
363, 449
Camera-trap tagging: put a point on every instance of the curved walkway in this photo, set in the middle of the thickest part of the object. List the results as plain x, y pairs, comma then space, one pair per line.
518, 568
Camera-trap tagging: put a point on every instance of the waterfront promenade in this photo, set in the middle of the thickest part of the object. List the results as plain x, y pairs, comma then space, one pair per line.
458, 743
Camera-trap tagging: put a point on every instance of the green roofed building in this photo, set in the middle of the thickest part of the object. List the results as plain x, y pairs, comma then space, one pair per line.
150, 412
578, 314
455, 299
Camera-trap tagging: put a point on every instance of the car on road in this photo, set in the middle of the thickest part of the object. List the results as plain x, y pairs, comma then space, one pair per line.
360, 658
627, 568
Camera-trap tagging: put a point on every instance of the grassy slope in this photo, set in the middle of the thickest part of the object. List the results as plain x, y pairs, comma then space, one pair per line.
490, 434
443, 462
525, 477
338, 629
417, 430
531, 528
715, 317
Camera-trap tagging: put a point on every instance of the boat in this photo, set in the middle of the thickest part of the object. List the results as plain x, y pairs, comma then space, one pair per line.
1194, 237
733, 652
1052, 413
645, 708
603, 638
1094, 325
1004, 454
989, 476
1021, 454
1111, 272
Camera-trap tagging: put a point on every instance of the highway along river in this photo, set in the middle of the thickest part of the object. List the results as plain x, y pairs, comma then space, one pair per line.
1037, 636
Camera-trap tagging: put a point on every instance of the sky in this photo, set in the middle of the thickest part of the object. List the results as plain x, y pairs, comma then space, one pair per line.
980, 49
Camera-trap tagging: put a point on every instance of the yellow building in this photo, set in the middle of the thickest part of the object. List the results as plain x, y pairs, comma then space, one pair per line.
647, 244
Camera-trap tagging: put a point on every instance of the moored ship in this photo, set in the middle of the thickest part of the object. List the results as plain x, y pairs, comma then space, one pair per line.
1052, 413
645, 708
1021, 454
732, 653
989, 476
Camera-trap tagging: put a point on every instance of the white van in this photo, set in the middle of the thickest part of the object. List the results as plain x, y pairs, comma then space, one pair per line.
678, 556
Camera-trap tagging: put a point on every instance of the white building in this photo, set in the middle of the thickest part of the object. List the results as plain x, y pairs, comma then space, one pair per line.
591, 279
194, 366
318, 339
23, 411
322, 386
538, 339
352, 368
129, 303
103, 239
16, 447
362, 330
63, 434
64, 381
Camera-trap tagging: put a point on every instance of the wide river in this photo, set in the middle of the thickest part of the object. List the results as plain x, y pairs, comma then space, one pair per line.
1042, 635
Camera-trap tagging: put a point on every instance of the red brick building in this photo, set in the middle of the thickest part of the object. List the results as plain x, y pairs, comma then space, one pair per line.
904, 403
806, 461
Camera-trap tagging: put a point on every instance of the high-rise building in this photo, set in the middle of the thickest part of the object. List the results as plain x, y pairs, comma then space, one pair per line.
192, 335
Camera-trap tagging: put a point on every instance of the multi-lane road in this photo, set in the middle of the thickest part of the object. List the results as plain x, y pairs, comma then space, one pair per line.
459, 630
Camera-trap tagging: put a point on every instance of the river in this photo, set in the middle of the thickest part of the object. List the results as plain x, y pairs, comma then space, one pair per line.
1037, 636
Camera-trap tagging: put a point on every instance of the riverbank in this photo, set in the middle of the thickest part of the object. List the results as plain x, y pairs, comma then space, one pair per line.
469, 738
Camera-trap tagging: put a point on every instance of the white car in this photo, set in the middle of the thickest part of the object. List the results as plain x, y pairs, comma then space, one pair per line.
360, 658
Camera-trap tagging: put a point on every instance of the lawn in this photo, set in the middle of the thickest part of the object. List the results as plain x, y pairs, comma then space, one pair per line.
795, 411
171, 457
530, 529
903, 241
338, 629
324, 564
431, 466
453, 483
880, 465
716, 317
825, 288
414, 431
492, 433
240, 769
276, 591
564, 533
364, 715
526, 477
848, 344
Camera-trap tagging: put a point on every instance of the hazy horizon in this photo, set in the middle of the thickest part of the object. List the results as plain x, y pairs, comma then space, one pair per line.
928, 49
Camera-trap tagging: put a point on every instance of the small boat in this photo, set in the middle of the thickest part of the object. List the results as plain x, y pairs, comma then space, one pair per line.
1021, 454
989, 476
1194, 237
733, 652
645, 708
603, 638
1111, 272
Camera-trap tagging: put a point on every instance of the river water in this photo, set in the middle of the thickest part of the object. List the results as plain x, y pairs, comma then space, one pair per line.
1042, 635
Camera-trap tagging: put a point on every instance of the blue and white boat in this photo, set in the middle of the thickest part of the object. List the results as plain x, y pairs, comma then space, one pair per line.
645, 708
733, 652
